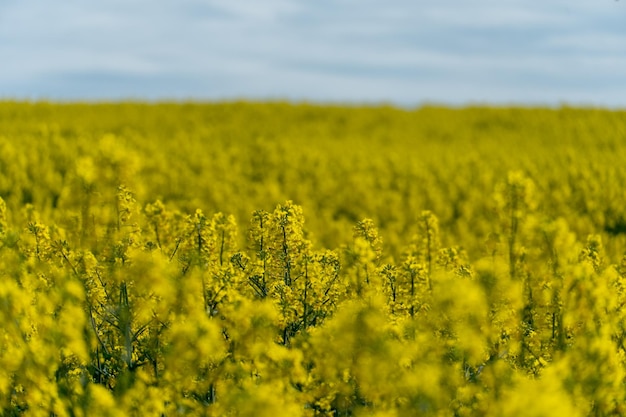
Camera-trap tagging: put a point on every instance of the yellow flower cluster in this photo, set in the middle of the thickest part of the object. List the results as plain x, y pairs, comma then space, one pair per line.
448, 266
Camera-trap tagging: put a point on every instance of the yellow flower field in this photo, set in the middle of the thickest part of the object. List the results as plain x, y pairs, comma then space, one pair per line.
273, 259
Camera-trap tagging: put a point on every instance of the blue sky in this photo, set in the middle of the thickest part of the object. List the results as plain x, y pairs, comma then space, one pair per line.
405, 52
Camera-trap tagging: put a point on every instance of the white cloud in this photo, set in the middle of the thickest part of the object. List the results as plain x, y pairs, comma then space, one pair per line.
255, 10
402, 50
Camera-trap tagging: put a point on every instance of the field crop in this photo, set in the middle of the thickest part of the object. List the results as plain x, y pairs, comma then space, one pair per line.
278, 259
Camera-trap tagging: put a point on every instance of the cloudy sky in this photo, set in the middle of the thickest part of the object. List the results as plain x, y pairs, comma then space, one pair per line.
405, 52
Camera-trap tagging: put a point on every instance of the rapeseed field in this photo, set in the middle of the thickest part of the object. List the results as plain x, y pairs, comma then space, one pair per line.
276, 259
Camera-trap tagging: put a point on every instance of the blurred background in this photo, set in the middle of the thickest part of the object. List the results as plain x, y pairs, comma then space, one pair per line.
402, 52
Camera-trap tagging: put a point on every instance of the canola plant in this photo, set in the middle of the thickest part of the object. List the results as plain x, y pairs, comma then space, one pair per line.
257, 259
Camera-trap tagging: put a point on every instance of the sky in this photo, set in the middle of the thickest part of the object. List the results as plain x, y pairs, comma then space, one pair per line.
402, 52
